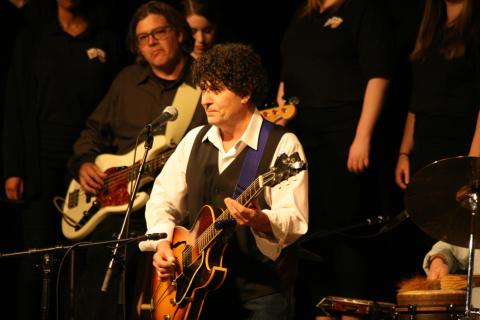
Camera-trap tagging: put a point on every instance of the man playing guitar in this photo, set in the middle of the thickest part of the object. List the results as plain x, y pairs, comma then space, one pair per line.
256, 270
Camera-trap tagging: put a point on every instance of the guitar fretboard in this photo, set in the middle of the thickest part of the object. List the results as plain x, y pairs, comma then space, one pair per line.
130, 173
212, 231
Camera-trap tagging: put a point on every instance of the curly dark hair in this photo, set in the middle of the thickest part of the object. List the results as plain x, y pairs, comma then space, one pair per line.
234, 66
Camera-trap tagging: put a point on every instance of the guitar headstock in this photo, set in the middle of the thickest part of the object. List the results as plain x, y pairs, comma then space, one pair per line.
285, 112
286, 167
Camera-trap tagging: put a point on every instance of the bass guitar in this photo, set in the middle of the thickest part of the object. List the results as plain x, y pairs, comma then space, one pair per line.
82, 212
199, 251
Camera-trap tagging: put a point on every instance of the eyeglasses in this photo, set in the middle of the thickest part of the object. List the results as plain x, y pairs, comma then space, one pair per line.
159, 33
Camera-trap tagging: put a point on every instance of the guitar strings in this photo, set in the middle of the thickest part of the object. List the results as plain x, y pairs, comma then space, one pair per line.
202, 241
158, 296
122, 176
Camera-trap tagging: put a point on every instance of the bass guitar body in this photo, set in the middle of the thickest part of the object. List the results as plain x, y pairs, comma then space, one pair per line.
198, 272
83, 211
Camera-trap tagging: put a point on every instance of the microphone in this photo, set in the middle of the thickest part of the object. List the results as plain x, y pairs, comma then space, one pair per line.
151, 236
395, 221
170, 113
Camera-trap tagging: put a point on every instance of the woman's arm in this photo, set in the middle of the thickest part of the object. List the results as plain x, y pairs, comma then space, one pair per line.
402, 171
358, 157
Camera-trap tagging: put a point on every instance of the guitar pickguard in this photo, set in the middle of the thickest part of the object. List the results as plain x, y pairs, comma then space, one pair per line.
114, 193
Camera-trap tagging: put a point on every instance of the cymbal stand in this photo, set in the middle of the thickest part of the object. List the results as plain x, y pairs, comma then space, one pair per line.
47, 269
473, 204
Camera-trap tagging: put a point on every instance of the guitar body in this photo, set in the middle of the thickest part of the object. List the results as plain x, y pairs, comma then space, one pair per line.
87, 211
198, 272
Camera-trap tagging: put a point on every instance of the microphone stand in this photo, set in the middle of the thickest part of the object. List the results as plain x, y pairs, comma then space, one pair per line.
323, 233
47, 261
307, 254
473, 199
124, 228
153, 236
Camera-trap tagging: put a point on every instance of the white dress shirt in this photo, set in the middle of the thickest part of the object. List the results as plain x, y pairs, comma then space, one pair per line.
288, 201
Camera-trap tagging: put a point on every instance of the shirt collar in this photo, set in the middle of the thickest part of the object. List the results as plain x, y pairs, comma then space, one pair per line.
249, 137
146, 73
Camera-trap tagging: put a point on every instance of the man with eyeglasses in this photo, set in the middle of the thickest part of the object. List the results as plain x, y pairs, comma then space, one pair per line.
160, 38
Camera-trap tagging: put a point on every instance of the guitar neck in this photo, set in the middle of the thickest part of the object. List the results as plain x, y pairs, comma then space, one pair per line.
284, 167
151, 166
244, 198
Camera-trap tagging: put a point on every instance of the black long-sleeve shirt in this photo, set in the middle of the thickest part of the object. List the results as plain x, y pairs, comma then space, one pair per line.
329, 57
54, 83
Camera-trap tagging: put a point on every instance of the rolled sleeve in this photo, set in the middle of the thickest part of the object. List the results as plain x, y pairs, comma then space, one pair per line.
288, 201
454, 256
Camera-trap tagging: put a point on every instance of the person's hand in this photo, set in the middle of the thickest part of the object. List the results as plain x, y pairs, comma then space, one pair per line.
402, 171
358, 156
164, 261
244, 216
438, 268
91, 177
14, 188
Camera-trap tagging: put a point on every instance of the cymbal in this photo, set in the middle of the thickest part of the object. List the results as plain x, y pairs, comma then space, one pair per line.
442, 198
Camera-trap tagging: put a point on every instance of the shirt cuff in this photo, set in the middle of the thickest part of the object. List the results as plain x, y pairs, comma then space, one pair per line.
148, 245
446, 255
267, 245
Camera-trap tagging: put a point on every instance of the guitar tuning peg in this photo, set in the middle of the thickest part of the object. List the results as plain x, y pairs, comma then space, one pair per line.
293, 100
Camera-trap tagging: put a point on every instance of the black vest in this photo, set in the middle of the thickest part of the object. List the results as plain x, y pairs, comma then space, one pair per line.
250, 273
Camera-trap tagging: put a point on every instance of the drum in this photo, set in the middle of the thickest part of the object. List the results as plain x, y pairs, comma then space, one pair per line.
430, 304
362, 308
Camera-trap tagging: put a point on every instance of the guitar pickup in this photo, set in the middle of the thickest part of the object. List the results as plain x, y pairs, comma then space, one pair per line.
73, 198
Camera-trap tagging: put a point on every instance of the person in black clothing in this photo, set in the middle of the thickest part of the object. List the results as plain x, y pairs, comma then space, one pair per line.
53, 85
443, 120
161, 39
13, 17
335, 57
